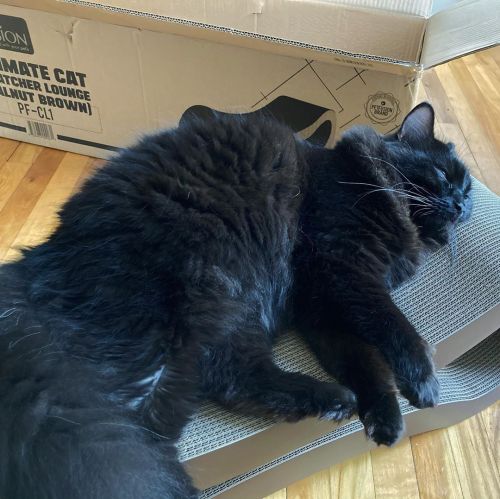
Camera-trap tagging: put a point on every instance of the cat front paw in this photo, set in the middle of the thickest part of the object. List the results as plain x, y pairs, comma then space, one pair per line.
422, 393
418, 382
383, 421
336, 402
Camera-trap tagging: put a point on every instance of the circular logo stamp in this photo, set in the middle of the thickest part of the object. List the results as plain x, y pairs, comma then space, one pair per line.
382, 108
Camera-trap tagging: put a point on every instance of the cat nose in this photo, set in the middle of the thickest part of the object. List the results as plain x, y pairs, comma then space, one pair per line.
459, 207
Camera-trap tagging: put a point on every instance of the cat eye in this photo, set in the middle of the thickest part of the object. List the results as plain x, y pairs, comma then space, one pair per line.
442, 174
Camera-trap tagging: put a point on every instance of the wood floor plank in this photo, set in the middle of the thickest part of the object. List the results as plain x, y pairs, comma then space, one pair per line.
481, 97
7, 148
486, 73
13, 169
490, 418
470, 119
23, 199
316, 486
495, 54
475, 462
435, 467
353, 479
280, 494
11, 174
486, 62
26, 153
437, 96
394, 474
42, 219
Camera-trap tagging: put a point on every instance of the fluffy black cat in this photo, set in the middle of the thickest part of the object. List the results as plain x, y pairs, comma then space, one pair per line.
174, 269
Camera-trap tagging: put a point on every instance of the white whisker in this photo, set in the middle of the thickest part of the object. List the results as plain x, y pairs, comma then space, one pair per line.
136, 427
63, 419
12, 344
400, 172
8, 313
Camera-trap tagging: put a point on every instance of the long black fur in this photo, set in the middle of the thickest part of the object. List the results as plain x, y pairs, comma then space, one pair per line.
174, 269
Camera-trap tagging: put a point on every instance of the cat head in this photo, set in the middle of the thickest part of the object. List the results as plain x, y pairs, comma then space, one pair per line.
438, 180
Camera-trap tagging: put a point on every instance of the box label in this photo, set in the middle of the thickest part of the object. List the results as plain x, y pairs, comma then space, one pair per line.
49, 94
14, 35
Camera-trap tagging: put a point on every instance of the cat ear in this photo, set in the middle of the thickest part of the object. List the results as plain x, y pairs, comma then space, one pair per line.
418, 125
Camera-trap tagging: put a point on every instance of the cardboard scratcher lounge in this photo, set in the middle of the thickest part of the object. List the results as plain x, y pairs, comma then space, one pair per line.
453, 303
468, 385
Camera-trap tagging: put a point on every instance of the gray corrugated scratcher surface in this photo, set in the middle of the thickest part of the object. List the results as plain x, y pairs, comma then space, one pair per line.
441, 299
474, 374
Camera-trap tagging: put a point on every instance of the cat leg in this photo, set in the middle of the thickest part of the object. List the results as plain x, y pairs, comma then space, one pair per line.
362, 368
359, 303
221, 334
175, 395
241, 375
379, 322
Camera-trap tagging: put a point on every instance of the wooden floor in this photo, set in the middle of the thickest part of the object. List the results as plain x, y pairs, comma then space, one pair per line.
460, 461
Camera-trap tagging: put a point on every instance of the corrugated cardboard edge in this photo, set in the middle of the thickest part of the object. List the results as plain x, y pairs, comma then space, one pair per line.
141, 21
356, 26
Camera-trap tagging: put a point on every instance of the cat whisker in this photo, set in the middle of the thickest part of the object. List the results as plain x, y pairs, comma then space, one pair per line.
373, 158
136, 427
422, 212
417, 197
8, 313
428, 196
418, 205
12, 344
124, 425
387, 189
63, 419
424, 209
404, 192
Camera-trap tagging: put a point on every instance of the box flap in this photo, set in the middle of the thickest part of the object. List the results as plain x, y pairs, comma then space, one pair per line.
229, 10
385, 28
466, 27
387, 33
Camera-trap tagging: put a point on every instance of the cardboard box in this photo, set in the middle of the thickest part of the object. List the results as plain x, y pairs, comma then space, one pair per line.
90, 76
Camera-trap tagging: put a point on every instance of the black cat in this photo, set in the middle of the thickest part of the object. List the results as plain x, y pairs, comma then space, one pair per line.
175, 268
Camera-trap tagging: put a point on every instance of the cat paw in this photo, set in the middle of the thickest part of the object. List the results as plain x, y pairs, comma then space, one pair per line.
417, 380
383, 421
423, 392
337, 403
